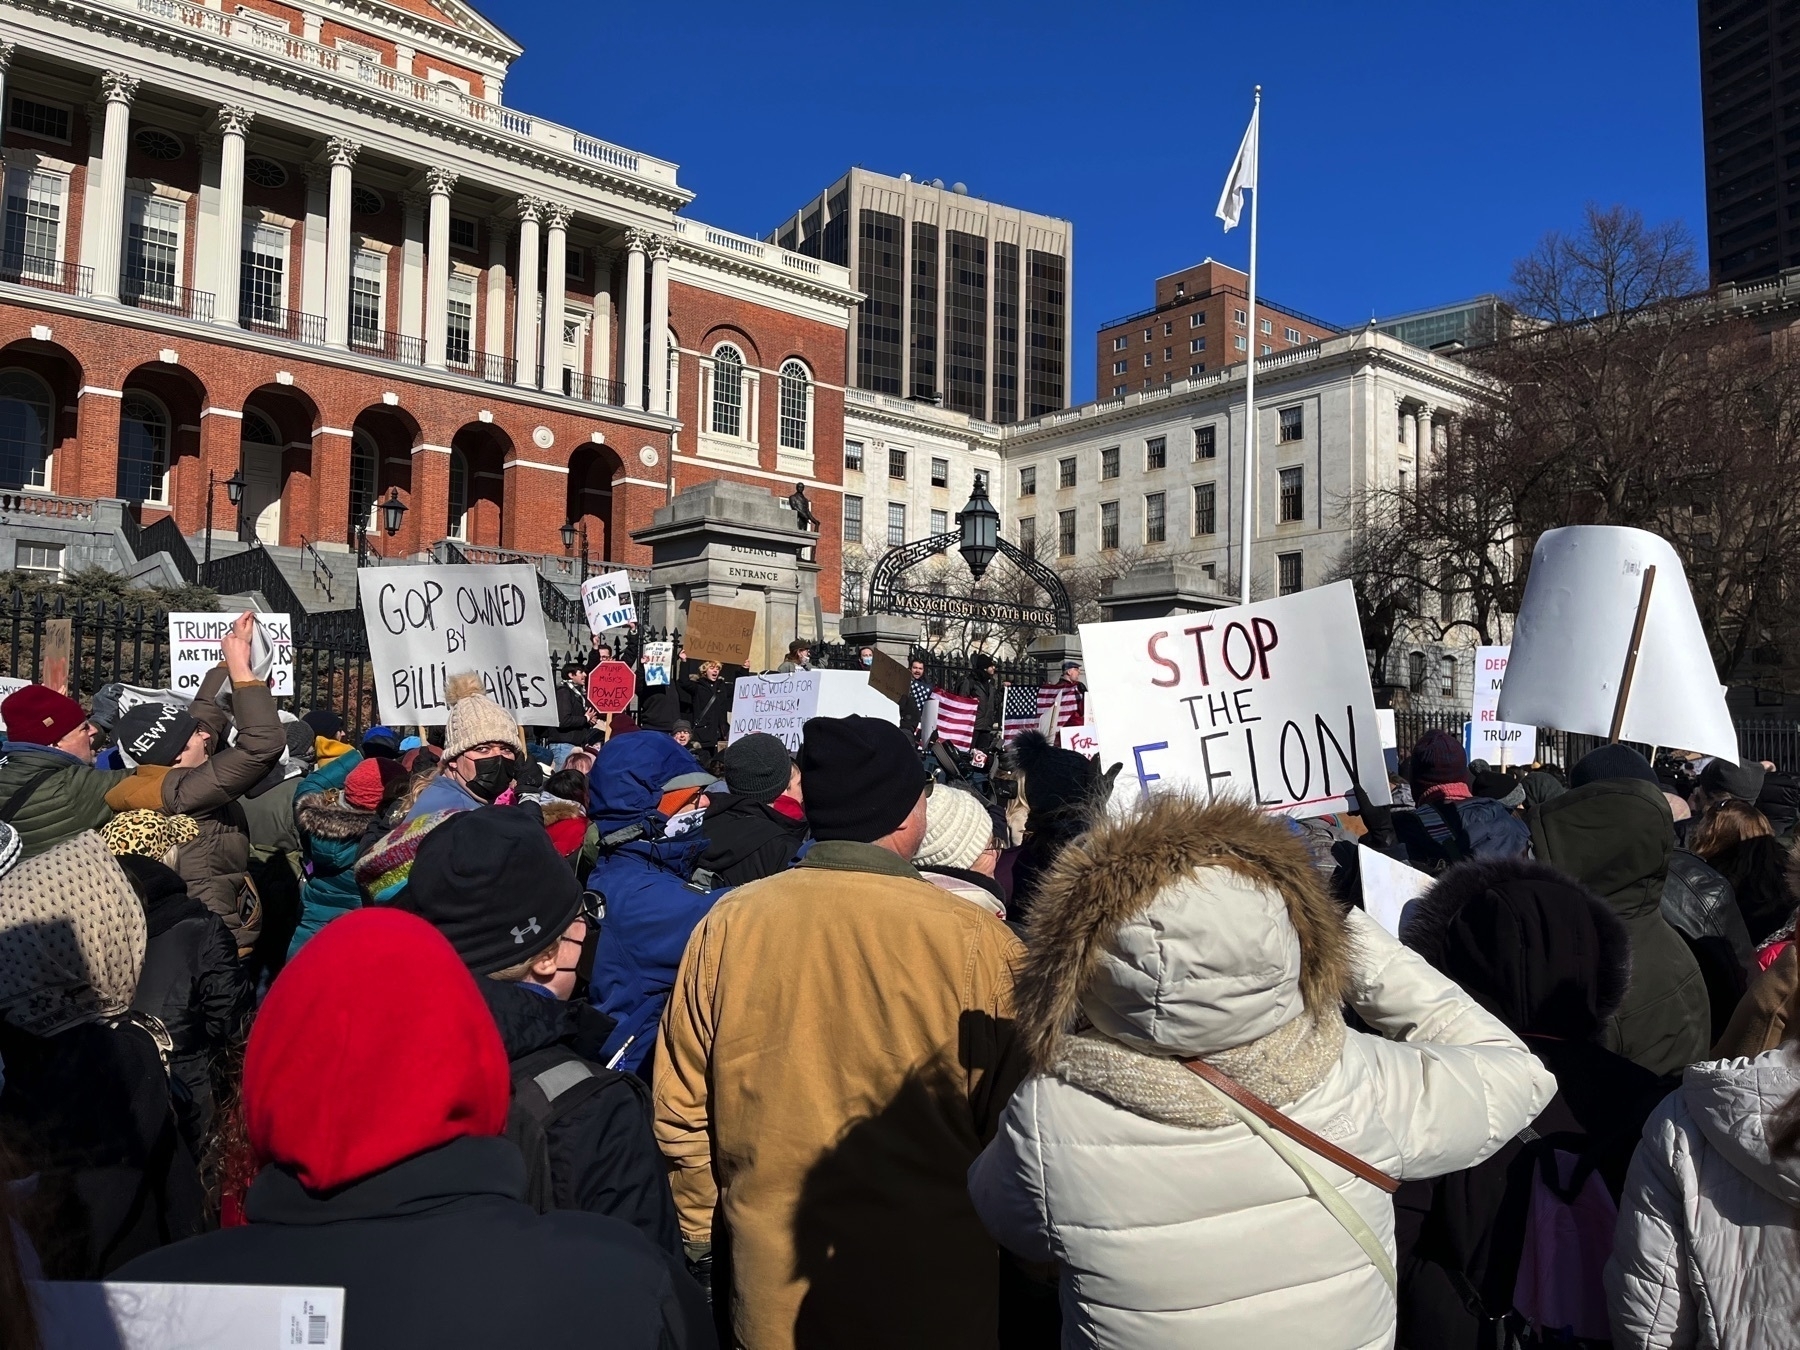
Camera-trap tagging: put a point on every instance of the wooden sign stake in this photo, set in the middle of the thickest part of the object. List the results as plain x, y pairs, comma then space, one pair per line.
1631, 653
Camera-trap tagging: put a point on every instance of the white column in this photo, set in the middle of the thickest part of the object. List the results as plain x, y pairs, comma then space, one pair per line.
1409, 444
208, 251
525, 301
493, 342
440, 183
657, 398
313, 250
341, 154
232, 122
556, 281
1422, 433
600, 363
7, 49
118, 89
631, 332
311, 25
412, 264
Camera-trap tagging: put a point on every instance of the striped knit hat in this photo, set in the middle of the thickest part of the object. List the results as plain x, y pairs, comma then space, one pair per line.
385, 869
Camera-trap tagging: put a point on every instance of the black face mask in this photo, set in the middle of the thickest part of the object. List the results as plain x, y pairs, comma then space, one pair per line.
493, 776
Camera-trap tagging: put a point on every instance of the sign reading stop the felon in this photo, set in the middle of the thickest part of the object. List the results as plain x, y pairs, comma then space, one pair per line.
610, 686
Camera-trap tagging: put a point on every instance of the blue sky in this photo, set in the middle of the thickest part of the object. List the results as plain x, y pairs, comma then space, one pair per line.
1411, 151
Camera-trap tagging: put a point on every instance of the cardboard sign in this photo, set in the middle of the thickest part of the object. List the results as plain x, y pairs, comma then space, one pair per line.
658, 658
1082, 740
426, 624
889, 678
1269, 702
194, 649
1497, 742
1388, 886
780, 704
718, 633
58, 644
75, 1315
610, 686
1574, 630
606, 600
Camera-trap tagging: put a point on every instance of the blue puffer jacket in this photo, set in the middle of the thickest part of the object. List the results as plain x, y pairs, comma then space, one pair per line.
330, 829
650, 911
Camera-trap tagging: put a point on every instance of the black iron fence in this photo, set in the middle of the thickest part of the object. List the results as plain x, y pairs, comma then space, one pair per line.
1758, 739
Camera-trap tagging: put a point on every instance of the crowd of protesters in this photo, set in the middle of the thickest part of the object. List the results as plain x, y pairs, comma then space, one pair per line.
625, 1033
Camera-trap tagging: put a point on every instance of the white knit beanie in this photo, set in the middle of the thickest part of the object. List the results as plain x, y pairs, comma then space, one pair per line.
475, 719
958, 829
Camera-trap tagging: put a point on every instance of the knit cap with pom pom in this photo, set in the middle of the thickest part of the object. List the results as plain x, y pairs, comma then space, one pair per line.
475, 719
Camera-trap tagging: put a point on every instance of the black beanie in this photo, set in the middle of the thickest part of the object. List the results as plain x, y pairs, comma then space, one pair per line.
154, 733
1612, 761
491, 881
757, 766
1055, 779
324, 722
861, 777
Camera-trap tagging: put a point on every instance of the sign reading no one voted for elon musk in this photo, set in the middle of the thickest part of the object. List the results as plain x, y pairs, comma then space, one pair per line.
426, 624
1269, 702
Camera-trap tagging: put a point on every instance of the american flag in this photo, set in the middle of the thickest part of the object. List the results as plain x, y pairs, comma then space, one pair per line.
955, 719
1071, 712
1022, 709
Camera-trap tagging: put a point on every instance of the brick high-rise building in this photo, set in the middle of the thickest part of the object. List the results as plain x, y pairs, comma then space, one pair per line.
1749, 62
1199, 323
967, 301
308, 243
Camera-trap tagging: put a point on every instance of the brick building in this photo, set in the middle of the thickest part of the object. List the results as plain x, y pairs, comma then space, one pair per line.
309, 243
1199, 323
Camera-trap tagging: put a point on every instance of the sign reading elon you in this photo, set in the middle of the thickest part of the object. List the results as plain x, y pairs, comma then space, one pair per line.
426, 624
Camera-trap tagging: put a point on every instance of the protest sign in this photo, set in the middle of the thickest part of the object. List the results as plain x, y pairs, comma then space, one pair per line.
426, 624
120, 1315
889, 678
1490, 738
718, 633
1081, 740
1269, 702
1574, 635
606, 599
610, 686
53, 663
658, 658
1388, 886
780, 704
194, 649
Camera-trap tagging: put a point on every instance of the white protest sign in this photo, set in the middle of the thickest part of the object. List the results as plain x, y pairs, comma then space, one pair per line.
1573, 632
1388, 886
194, 649
606, 599
779, 704
1082, 740
658, 657
1491, 739
426, 624
1269, 702
116, 1315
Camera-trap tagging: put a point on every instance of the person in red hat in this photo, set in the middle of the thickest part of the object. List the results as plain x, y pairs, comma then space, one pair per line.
375, 1096
49, 788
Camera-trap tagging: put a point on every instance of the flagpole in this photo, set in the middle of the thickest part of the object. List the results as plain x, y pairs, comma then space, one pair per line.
1249, 528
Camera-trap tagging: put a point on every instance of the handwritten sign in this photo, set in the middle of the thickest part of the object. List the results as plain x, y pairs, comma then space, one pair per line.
426, 624
194, 649
719, 633
1491, 739
1081, 740
889, 678
1269, 702
658, 658
606, 599
610, 686
780, 704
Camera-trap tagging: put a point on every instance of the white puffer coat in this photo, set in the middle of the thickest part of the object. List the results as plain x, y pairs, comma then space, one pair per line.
1190, 931
1708, 1249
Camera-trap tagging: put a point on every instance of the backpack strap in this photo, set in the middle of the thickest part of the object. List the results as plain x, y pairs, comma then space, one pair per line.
1445, 831
32, 784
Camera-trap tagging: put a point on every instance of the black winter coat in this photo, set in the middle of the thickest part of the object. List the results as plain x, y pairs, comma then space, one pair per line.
707, 706
90, 1111
659, 705
1698, 903
1757, 871
572, 725
603, 1154
192, 983
747, 840
440, 1252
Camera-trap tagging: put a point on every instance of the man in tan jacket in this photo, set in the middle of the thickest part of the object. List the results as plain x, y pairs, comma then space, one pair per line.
836, 1052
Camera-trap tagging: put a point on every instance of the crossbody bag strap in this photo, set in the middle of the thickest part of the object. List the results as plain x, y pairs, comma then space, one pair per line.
32, 784
1239, 1101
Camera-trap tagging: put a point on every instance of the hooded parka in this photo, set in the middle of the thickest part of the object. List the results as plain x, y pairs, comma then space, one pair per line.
1201, 930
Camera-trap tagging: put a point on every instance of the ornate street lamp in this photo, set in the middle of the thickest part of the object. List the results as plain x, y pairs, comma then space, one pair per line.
234, 491
568, 536
979, 523
392, 511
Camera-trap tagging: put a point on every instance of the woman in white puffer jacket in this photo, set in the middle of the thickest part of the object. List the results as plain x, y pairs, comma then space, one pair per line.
1189, 930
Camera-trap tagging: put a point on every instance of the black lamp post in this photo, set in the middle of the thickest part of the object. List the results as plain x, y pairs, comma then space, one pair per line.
393, 511
980, 526
568, 532
234, 490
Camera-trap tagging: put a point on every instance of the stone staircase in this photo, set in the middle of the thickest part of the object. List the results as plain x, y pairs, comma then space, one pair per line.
321, 585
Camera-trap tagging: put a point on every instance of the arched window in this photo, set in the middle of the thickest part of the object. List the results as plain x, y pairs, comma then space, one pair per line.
459, 496
363, 459
143, 450
796, 389
25, 428
728, 391
259, 430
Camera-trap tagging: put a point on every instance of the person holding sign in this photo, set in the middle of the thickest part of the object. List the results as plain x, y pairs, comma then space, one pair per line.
482, 749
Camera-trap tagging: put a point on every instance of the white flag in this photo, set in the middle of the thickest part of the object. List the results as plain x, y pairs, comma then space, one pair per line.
1243, 175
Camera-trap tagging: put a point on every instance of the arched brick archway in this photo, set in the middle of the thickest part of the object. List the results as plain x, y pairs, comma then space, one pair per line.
156, 454
592, 469
477, 483
381, 462
276, 450
39, 449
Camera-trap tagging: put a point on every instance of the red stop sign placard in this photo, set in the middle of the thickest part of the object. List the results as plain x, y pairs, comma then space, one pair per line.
610, 686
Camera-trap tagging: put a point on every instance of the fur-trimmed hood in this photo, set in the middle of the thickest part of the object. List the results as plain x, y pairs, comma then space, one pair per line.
1182, 928
556, 809
326, 815
1532, 945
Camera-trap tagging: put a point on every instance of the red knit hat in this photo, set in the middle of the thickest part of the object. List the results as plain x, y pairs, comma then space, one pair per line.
367, 784
373, 1045
40, 715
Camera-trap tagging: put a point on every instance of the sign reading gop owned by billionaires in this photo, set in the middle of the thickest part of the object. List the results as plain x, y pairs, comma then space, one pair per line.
426, 624
1269, 702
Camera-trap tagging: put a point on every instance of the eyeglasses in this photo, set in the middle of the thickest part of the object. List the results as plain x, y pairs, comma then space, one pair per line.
593, 908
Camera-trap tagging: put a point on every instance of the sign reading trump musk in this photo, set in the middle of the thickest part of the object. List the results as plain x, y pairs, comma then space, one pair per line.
426, 624
1267, 702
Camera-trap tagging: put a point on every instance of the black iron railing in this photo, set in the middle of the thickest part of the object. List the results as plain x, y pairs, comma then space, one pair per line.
46, 274
166, 298
390, 346
594, 389
273, 321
